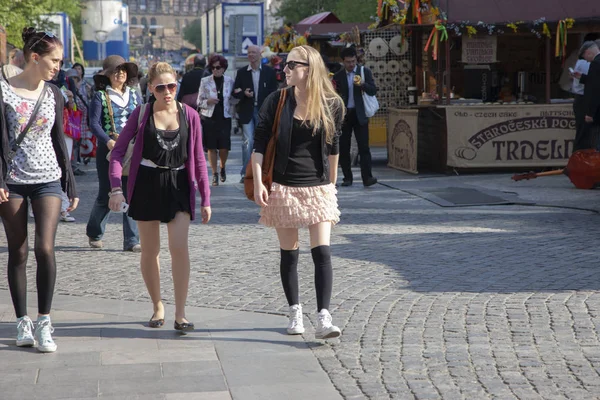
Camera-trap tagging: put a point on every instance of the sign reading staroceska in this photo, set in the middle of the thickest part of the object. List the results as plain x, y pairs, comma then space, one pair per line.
510, 136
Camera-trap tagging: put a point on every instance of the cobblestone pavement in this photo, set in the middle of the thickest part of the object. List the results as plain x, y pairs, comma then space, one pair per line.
452, 303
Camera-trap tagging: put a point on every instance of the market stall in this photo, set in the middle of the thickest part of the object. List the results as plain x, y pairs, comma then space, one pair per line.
486, 95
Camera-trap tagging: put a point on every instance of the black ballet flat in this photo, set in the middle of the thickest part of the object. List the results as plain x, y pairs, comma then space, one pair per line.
184, 327
156, 323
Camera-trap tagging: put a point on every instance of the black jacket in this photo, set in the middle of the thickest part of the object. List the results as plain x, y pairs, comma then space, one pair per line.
190, 84
591, 97
67, 179
243, 80
264, 129
368, 85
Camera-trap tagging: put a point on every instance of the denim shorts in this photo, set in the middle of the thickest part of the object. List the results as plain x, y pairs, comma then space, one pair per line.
35, 191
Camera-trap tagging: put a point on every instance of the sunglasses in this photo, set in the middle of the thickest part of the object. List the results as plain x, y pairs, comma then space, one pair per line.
46, 34
291, 65
170, 86
218, 67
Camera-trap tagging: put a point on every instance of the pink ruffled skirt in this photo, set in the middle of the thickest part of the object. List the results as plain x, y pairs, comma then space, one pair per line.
300, 207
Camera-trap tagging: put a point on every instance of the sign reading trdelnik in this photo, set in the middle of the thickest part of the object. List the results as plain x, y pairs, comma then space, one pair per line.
510, 136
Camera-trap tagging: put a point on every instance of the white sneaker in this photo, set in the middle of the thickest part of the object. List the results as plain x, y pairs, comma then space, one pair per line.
66, 217
43, 336
296, 325
25, 332
325, 329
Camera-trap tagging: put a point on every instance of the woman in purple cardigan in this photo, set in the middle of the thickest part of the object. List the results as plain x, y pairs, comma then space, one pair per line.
167, 167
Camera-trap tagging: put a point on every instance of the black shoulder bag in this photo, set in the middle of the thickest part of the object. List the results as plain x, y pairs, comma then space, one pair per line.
32, 118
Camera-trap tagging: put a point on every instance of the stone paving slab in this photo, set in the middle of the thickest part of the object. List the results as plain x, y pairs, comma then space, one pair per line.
477, 303
113, 355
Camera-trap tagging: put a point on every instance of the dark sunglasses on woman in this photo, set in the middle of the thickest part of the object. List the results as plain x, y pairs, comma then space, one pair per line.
161, 88
291, 65
217, 67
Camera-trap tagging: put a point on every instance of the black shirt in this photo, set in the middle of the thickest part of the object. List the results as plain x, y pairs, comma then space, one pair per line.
305, 161
219, 112
165, 147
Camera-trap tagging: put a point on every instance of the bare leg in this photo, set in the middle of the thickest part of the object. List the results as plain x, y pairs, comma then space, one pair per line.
149, 263
223, 154
178, 230
212, 158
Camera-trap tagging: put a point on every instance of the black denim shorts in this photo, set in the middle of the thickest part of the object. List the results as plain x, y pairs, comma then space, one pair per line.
35, 191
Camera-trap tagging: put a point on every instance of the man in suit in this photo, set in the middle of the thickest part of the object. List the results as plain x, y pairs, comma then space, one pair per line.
190, 84
350, 87
253, 84
590, 51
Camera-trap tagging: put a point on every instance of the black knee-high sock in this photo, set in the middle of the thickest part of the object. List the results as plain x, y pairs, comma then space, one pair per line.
323, 275
288, 267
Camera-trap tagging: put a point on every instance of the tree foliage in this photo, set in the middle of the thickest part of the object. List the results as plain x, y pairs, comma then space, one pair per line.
293, 11
355, 10
18, 14
193, 33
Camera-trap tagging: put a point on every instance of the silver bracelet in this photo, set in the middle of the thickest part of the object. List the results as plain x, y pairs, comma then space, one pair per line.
110, 194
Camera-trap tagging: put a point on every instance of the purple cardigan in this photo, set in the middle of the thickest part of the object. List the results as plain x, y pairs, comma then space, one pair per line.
195, 164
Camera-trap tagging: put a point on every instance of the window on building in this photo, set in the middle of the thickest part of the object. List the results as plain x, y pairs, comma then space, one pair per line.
185, 6
165, 7
143, 5
177, 26
152, 5
194, 6
133, 5
176, 6
144, 22
133, 21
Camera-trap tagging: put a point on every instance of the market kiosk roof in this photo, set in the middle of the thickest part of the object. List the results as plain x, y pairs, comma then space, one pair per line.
501, 11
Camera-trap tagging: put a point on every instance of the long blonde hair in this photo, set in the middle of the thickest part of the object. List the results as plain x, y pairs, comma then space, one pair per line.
325, 107
160, 68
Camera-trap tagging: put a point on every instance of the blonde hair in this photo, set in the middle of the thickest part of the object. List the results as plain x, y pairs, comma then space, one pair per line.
325, 107
160, 68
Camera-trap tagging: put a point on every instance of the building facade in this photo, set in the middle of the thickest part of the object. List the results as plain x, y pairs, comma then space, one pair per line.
157, 25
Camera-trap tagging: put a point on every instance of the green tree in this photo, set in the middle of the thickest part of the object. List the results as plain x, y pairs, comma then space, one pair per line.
355, 10
16, 15
193, 33
294, 11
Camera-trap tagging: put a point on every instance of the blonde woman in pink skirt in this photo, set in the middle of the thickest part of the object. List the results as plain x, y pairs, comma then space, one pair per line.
303, 193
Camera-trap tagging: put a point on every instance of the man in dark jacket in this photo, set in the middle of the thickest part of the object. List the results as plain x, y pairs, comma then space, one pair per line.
190, 84
590, 51
253, 84
356, 119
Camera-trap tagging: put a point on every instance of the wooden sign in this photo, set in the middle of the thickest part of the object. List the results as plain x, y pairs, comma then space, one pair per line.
479, 50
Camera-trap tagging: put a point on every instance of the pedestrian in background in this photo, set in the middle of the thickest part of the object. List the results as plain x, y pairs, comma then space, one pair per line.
77, 86
16, 63
214, 102
350, 86
110, 109
190, 84
33, 169
305, 170
590, 51
253, 83
167, 166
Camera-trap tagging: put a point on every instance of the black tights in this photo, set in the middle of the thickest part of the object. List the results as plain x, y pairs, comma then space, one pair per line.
288, 268
14, 217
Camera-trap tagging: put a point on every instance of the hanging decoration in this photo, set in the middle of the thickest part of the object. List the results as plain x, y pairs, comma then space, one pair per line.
438, 35
561, 37
286, 39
